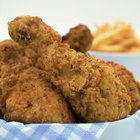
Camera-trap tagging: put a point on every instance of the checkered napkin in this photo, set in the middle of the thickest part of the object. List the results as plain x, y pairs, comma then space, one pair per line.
20, 131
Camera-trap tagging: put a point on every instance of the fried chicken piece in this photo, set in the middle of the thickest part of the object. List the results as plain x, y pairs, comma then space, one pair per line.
90, 85
131, 85
30, 98
27, 96
10, 56
79, 38
27, 32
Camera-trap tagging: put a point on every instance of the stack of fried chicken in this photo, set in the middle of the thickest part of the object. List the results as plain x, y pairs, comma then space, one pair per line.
44, 80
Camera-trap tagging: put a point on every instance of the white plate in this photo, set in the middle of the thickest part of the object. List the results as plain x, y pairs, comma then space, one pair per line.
126, 129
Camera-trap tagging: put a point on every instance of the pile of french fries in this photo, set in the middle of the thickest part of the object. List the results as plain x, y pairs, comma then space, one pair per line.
119, 37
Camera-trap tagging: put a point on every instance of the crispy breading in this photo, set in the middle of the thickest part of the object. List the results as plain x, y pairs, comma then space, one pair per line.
11, 59
12, 54
79, 38
27, 96
91, 86
33, 28
130, 83
30, 98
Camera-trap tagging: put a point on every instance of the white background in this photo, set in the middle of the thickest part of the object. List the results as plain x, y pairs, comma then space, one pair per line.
63, 14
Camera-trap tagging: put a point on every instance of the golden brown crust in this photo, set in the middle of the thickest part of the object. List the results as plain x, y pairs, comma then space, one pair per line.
10, 56
32, 29
10, 52
131, 85
27, 96
91, 86
31, 99
79, 38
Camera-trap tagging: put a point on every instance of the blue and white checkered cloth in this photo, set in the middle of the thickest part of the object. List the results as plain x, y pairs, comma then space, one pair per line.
55, 131
20, 131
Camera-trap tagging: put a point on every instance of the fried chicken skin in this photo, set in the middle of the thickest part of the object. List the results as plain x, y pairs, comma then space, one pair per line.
27, 96
11, 59
131, 85
11, 54
79, 38
33, 28
32, 99
91, 86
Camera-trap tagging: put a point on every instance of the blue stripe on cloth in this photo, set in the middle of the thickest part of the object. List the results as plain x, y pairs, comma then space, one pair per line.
20, 131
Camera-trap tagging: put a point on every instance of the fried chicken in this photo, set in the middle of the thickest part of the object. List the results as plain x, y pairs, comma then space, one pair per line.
27, 32
11, 59
131, 85
32, 99
91, 87
27, 95
79, 38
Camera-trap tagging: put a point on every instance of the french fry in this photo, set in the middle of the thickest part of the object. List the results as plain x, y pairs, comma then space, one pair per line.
119, 37
110, 48
134, 50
